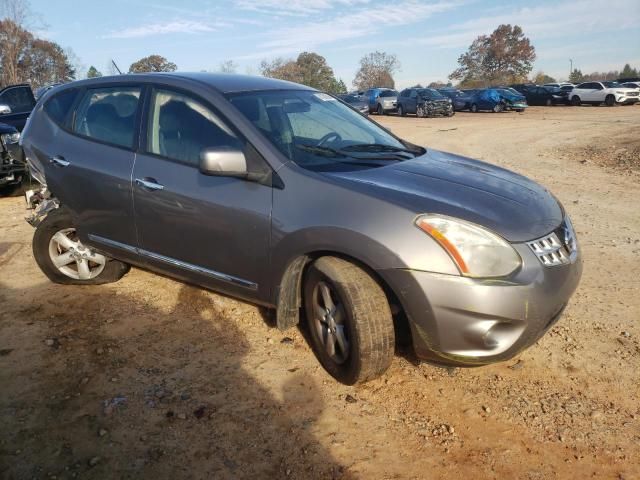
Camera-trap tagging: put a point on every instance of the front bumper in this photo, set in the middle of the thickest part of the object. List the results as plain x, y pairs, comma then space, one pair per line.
12, 166
627, 100
464, 321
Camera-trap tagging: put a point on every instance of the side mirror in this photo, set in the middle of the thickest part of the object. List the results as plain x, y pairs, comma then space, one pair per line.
223, 162
5, 109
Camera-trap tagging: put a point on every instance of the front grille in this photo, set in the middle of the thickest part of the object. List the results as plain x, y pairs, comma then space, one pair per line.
557, 248
632, 94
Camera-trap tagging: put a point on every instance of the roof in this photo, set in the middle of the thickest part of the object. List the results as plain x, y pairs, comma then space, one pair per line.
223, 82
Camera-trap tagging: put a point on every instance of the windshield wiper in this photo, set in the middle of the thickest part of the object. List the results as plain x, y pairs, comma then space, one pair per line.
326, 151
377, 147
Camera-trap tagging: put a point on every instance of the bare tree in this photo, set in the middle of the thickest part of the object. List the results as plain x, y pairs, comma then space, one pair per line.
376, 70
228, 66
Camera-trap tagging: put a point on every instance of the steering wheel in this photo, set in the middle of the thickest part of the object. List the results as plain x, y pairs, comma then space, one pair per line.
331, 135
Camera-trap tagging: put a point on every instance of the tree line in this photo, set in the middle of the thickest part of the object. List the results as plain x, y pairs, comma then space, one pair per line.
503, 57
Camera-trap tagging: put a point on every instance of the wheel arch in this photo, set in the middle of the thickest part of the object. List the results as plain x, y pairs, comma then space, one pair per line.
289, 293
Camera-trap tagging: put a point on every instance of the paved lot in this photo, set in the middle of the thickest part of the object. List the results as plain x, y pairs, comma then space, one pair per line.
150, 378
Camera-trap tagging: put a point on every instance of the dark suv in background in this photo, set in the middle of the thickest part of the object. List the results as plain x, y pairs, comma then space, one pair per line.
16, 103
424, 102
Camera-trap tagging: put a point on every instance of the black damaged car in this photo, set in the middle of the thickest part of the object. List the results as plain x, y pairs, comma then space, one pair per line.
424, 102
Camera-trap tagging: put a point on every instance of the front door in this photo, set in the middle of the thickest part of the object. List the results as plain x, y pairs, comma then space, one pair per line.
210, 230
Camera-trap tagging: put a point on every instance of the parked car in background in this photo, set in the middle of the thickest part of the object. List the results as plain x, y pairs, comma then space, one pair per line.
241, 185
460, 99
513, 100
558, 85
16, 103
13, 169
609, 93
381, 100
42, 90
424, 102
360, 103
488, 99
633, 85
537, 95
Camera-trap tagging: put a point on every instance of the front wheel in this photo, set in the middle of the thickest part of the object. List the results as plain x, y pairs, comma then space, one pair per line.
610, 101
349, 320
498, 108
401, 111
380, 110
474, 108
575, 101
64, 259
548, 102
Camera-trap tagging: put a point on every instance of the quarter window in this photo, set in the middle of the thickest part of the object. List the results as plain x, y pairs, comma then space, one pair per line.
109, 115
58, 107
18, 99
181, 127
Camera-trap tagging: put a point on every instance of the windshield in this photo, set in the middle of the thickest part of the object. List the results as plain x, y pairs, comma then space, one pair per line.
430, 93
318, 132
388, 93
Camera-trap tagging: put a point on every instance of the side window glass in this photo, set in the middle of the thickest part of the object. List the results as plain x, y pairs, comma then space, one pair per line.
58, 107
181, 127
598, 86
109, 115
18, 99
413, 94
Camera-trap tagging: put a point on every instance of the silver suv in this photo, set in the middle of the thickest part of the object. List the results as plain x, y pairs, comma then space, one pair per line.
286, 197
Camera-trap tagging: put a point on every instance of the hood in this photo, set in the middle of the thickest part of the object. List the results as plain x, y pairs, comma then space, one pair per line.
509, 204
6, 128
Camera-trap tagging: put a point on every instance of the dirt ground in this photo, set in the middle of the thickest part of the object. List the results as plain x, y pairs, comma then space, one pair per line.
151, 378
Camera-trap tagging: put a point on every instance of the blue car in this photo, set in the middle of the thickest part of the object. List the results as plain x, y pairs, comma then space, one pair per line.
488, 99
513, 99
460, 99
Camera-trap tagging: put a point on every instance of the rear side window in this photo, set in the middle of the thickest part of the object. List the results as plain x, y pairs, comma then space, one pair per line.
109, 115
180, 127
59, 106
18, 99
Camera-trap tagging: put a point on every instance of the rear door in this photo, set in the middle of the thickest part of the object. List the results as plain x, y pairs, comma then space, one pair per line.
20, 101
412, 101
88, 162
211, 230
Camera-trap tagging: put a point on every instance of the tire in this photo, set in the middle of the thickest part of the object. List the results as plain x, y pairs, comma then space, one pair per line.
498, 108
380, 110
610, 101
58, 224
474, 108
520, 110
575, 101
451, 113
365, 322
548, 102
401, 111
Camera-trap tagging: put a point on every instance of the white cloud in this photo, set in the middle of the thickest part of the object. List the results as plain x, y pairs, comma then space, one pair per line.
311, 34
164, 28
296, 7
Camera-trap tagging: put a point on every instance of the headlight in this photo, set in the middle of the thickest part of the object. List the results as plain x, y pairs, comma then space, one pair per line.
476, 251
9, 138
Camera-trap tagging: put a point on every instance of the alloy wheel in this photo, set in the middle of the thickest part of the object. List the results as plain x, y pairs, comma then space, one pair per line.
72, 258
329, 322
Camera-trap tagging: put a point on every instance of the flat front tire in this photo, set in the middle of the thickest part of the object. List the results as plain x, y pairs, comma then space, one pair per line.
64, 259
349, 320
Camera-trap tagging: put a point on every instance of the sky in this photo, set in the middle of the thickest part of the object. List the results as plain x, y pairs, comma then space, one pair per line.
426, 36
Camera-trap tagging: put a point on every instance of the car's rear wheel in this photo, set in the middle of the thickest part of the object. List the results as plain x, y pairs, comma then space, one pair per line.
401, 111
380, 110
474, 108
349, 320
575, 101
610, 101
64, 259
548, 102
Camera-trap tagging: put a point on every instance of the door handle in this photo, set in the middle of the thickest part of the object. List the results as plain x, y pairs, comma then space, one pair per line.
59, 161
150, 184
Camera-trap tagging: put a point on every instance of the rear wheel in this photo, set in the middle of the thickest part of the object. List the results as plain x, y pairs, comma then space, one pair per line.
380, 110
548, 102
64, 259
474, 108
575, 101
349, 320
401, 111
610, 101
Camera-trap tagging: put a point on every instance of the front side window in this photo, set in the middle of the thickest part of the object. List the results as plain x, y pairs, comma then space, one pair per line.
317, 132
18, 99
180, 128
109, 115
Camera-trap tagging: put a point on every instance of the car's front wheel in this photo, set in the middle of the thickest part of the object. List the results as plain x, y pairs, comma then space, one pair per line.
349, 320
575, 101
64, 259
380, 110
610, 101
401, 111
474, 108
